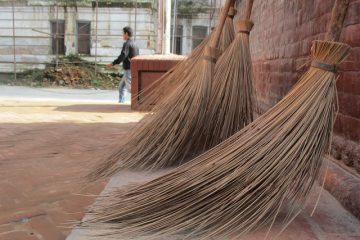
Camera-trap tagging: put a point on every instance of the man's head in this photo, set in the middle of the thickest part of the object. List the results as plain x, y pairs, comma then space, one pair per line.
127, 33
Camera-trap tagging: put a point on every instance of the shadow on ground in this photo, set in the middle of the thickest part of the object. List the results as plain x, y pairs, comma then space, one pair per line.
98, 108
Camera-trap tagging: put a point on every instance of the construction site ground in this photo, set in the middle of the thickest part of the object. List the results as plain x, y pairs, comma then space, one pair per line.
47, 144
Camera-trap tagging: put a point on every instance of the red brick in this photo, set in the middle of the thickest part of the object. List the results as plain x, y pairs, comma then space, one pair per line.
323, 7
351, 35
353, 16
354, 55
146, 70
348, 127
349, 104
349, 83
350, 66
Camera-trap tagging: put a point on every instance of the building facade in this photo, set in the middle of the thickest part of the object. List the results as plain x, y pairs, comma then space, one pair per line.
38, 32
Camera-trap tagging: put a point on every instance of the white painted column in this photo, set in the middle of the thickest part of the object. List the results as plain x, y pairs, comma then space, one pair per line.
160, 30
167, 26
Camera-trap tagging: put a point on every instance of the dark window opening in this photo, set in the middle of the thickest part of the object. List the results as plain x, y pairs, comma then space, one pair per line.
83, 37
178, 39
58, 37
199, 33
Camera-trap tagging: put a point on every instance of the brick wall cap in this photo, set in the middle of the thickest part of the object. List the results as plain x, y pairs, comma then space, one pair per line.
159, 57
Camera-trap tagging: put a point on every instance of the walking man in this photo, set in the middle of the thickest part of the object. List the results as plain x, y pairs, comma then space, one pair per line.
129, 50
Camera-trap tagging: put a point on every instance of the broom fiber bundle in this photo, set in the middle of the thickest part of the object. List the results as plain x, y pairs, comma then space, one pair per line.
231, 105
242, 183
166, 137
174, 77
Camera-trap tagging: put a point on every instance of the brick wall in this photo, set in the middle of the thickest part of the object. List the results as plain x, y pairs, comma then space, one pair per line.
146, 70
280, 45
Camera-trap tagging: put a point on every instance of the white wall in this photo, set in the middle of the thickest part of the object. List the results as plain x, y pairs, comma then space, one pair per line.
35, 46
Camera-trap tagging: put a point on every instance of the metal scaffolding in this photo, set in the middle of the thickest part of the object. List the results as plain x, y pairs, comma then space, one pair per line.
22, 39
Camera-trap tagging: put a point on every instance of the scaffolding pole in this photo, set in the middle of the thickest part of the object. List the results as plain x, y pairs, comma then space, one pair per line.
210, 15
160, 32
167, 26
14, 43
135, 20
96, 34
57, 34
174, 27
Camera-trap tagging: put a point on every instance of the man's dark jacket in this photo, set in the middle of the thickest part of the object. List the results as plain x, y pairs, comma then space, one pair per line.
129, 50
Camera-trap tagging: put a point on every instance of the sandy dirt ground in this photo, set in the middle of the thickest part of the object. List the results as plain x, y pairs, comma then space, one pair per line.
45, 148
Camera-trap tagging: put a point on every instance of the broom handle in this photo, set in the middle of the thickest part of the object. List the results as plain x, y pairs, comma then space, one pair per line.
248, 9
215, 40
337, 20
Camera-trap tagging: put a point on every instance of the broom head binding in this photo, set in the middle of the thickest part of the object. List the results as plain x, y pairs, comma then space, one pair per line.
324, 66
232, 12
211, 54
244, 26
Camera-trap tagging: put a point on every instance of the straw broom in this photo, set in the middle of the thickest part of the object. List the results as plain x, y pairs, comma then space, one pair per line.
242, 183
232, 102
166, 137
174, 77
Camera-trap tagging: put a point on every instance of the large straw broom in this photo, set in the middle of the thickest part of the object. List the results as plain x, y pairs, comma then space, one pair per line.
166, 137
165, 85
242, 183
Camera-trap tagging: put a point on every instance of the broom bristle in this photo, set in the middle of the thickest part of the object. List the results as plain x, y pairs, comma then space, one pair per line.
166, 84
232, 102
167, 136
241, 183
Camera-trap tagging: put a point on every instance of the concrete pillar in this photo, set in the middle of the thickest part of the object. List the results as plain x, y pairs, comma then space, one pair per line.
167, 26
70, 15
160, 29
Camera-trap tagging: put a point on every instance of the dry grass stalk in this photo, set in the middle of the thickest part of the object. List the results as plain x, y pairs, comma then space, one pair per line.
241, 183
166, 137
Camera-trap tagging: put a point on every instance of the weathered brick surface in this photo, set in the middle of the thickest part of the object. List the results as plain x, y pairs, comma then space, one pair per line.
343, 185
280, 45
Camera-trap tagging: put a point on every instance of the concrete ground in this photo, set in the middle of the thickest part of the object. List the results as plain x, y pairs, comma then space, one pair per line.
47, 144
57, 94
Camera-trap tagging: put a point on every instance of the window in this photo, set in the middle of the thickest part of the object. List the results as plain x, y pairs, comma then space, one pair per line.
178, 39
198, 35
83, 37
58, 37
